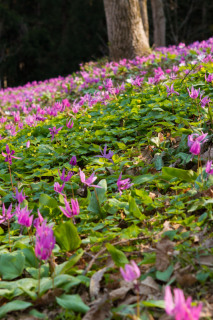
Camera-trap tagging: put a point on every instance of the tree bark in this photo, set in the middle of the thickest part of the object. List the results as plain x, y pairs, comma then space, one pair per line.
159, 23
144, 15
126, 34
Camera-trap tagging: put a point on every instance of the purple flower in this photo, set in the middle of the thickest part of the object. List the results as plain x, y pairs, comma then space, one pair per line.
123, 184
58, 188
6, 215
89, 181
24, 217
180, 308
170, 90
19, 196
38, 221
208, 167
63, 177
209, 78
28, 144
194, 93
105, 155
45, 241
68, 212
194, 142
9, 155
70, 124
204, 101
131, 271
54, 131
73, 161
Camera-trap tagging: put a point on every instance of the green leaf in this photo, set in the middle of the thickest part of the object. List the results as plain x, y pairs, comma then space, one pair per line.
30, 257
185, 175
117, 255
12, 265
67, 236
144, 178
165, 275
72, 302
14, 306
133, 208
66, 266
94, 206
154, 303
47, 201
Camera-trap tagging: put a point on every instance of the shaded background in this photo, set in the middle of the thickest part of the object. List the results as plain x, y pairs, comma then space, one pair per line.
46, 38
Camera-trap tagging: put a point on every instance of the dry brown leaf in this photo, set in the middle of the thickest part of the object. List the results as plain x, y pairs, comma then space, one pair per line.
148, 286
99, 309
164, 249
205, 260
186, 280
94, 287
208, 243
121, 292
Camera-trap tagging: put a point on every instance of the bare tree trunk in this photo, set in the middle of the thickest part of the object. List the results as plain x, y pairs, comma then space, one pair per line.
126, 34
144, 15
159, 22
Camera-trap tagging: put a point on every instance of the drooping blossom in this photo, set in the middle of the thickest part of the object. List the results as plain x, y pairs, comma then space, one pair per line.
9, 155
63, 177
130, 272
170, 90
70, 124
73, 161
70, 212
195, 141
209, 78
23, 215
88, 181
38, 221
194, 93
6, 214
45, 241
123, 184
180, 308
106, 155
20, 197
204, 101
58, 188
54, 131
208, 167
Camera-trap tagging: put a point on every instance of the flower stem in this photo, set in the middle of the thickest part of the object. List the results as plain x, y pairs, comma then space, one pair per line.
11, 177
96, 195
39, 278
8, 224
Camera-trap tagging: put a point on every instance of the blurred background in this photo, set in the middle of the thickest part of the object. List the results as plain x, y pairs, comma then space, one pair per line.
42, 39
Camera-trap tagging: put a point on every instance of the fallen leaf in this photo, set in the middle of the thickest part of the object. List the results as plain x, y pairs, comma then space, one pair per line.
164, 248
148, 286
121, 292
94, 287
99, 309
205, 260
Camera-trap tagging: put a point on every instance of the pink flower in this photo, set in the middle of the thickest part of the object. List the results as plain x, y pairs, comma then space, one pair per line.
6, 215
68, 212
70, 124
131, 271
58, 188
9, 155
63, 177
180, 308
19, 196
88, 181
170, 90
28, 144
194, 93
194, 142
24, 217
45, 241
123, 184
208, 167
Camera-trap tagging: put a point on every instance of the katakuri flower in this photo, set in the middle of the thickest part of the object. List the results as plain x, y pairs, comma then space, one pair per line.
130, 272
88, 181
54, 131
123, 184
6, 214
24, 217
68, 212
180, 308
38, 221
45, 241
106, 155
194, 93
63, 177
208, 167
70, 124
73, 161
170, 90
20, 197
9, 155
195, 141
58, 188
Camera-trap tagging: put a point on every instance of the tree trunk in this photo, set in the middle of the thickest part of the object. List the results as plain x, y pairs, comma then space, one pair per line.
159, 23
126, 34
144, 15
